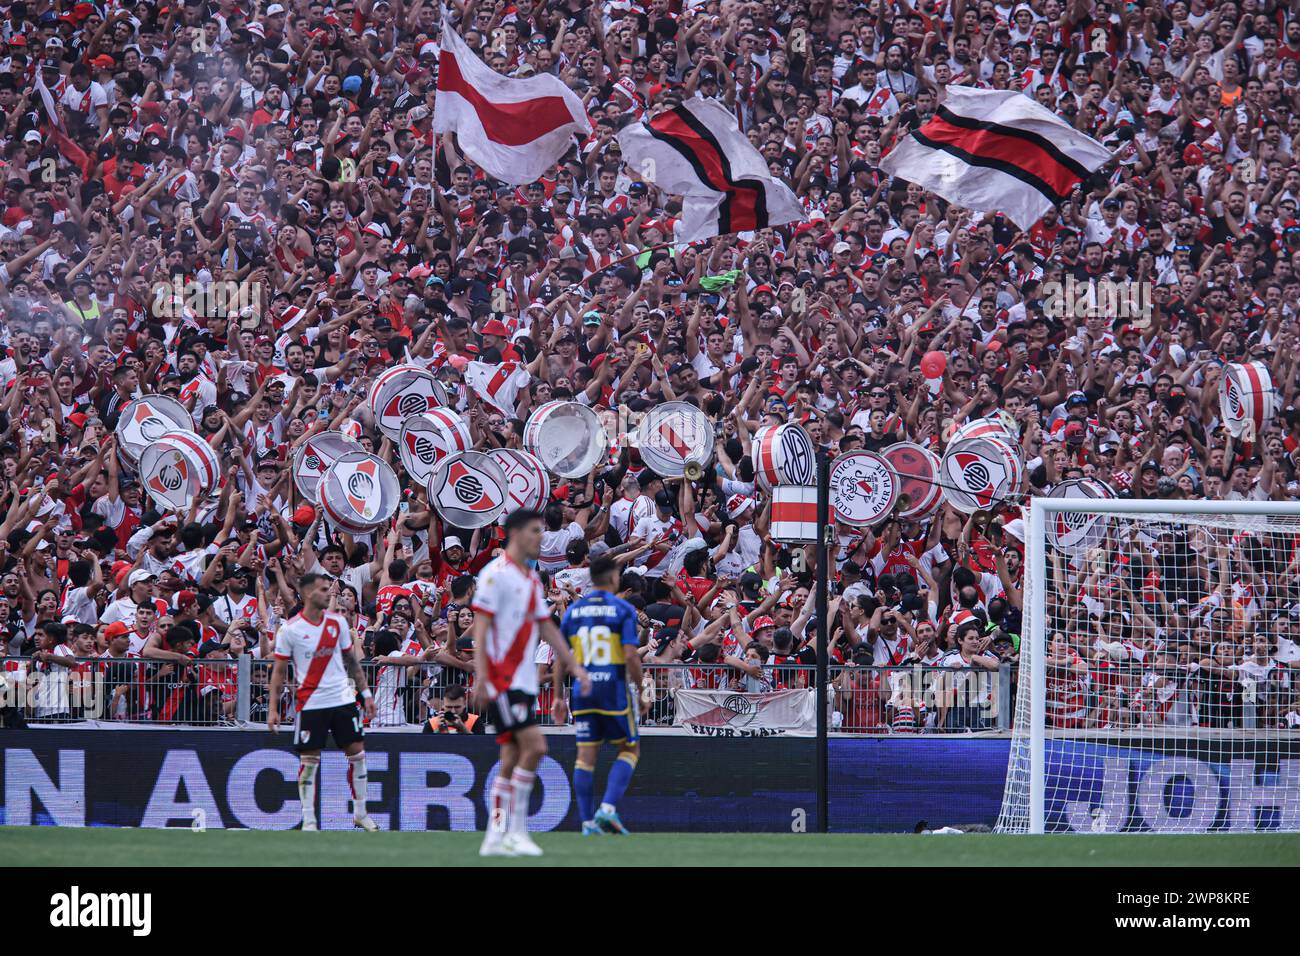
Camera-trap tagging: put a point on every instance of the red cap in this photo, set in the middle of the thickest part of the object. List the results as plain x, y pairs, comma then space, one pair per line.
761, 623
186, 598
305, 514
495, 326
116, 629
236, 133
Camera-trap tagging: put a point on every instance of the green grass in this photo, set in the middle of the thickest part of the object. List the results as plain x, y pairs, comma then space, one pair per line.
51, 846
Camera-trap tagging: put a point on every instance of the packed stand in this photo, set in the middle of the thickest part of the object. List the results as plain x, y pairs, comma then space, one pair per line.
286, 150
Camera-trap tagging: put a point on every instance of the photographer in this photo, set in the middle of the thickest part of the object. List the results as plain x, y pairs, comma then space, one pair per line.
454, 718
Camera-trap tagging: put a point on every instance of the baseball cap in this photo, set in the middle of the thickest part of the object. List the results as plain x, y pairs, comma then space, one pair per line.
139, 576
451, 541
116, 629
760, 623
664, 498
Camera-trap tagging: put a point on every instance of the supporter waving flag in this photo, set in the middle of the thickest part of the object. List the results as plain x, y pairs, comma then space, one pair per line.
997, 150
697, 151
499, 384
516, 129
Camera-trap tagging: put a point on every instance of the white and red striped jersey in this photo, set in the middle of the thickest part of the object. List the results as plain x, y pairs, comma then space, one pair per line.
316, 651
511, 597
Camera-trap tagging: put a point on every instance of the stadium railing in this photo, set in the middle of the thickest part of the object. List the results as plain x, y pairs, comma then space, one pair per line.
234, 693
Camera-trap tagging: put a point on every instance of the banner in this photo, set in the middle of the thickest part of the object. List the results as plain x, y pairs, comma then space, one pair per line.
790, 712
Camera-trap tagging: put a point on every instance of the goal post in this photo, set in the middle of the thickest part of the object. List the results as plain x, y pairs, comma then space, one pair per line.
1158, 686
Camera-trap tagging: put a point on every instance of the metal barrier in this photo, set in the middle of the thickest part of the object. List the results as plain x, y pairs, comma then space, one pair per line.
216, 692
142, 690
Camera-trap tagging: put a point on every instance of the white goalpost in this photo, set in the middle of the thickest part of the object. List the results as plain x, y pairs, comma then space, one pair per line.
1159, 672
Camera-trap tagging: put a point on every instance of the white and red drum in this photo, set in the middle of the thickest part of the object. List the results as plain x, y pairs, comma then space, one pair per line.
794, 514
783, 455
1076, 532
426, 438
178, 468
316, 454
402, 391
980, 473
671, 434
994, 426
918, 474
527, 483
864, 488
358, 492
566, 437
144, 420
469, 489
1246, 399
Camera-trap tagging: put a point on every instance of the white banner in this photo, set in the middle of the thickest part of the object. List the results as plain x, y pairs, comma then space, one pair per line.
727, 713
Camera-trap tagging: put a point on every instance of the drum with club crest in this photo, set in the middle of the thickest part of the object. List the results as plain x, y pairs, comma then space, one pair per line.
178, 468
997, 425
672, 435
428, 437
469, 489
146, 419
316, 454
358, 492
566, 437
918, 473
527, 483
1077, 532
980, 473
1246, 398
864, 488
402, 391
783, 455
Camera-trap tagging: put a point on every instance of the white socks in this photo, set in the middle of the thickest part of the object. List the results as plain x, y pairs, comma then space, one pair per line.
358, 780
307, 788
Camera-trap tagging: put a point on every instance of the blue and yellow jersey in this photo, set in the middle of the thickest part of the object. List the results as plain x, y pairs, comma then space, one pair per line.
599, 626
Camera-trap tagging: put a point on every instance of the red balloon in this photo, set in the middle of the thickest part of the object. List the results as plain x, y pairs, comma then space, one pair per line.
933, 364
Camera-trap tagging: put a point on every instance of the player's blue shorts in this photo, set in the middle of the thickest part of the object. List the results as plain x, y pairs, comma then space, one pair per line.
605, 728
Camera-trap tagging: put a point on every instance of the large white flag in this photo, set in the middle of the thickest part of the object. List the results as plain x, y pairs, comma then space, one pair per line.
728, 713
997, 151
516, 129
697, 151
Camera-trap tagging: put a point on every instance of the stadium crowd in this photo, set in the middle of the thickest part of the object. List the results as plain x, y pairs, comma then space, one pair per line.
287, 147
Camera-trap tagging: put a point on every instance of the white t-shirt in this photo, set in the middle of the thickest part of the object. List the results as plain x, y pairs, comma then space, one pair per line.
316, 651
512, 598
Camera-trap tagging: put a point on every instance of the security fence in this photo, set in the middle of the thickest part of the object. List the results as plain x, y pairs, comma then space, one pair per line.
235, 693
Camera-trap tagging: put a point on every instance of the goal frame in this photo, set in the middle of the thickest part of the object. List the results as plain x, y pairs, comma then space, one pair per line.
1040, 509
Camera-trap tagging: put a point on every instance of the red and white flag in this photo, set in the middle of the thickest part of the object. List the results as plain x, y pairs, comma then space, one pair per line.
997, 150
697, 151
498, 385
516, 129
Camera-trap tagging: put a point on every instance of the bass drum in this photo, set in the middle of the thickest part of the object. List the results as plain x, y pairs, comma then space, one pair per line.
566, 437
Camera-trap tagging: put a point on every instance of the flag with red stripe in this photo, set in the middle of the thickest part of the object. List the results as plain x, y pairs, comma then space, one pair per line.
516, 129
997, 151
697, 151
498, 385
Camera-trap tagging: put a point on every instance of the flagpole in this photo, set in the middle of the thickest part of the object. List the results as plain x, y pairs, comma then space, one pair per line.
822, 585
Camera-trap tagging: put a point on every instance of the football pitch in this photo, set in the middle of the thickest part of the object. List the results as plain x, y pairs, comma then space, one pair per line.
102, 846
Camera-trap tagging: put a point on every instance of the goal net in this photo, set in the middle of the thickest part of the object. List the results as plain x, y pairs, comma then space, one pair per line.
1159, 678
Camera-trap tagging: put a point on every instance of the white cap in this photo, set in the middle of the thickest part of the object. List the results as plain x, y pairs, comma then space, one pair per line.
274, 9
139, 576
451, 541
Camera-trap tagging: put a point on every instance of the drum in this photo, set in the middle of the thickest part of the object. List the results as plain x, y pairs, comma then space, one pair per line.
358, 492
566, 437
315, 455
794, 514
1246, 399
1076, 532
918, 473
995, 426
783, 455
864, 488
980, 473
144, 420
469, 489
179, 468
672, 434
527, 484
425, 438
401, 391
